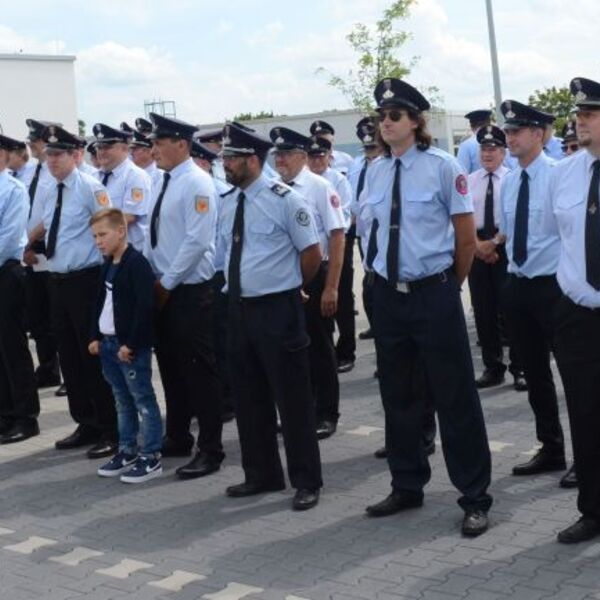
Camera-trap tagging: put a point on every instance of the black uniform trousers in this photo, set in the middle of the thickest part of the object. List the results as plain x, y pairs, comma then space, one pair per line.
186, 361
426, 329
221, 327
73, 300
268, 351
345, 317
19, 399
39, 323
529, 309
578, 359
323, 362
485, 284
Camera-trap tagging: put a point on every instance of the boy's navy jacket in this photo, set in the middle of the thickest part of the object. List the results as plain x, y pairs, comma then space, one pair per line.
133, 300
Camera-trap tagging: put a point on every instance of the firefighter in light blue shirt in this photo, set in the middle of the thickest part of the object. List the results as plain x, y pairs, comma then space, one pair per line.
575, 196
531, 292
468, 150
272, 251
180, 246
425, 246
19, 402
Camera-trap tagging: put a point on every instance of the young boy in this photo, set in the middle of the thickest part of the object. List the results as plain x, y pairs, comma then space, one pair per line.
122, 334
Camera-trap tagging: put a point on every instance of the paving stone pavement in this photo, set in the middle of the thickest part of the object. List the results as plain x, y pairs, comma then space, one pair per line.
66, 533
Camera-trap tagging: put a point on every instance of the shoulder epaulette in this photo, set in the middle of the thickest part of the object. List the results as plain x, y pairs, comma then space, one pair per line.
280, 190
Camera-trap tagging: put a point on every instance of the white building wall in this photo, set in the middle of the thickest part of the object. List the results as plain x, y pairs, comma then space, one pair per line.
36, 86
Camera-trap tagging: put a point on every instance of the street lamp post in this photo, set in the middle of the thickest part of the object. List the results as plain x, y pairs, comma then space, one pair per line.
494, 56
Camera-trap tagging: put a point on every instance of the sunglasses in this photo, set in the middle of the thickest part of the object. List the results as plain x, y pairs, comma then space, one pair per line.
572, 147
394, 115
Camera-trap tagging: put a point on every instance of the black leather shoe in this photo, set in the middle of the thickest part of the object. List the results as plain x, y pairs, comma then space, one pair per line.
344, 366
61, 391
326, 429
430, 448
46, 381
381, 453
520, 383
103, 448
6, 425
584, 529
542, 462
394, 503
227, 416
202, 464
80, 437
305, 499
475, 523
489, 379
367, 334
171, 448
241, 490
569, 479
20, 432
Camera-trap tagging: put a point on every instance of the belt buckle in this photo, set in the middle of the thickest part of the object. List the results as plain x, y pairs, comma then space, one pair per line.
403, 287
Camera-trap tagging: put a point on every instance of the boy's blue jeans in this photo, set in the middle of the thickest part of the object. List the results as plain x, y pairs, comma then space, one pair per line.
132, 388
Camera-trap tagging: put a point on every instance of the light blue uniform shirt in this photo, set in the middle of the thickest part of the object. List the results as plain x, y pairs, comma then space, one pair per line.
341, 161
553, 148
85, 167
343, 188
223, 188
569, 188
468, 154
129, 188
156, 176
324, 203
26, 172
543, 243
278, 225
433, 189
83, 196
14, 207
186, 229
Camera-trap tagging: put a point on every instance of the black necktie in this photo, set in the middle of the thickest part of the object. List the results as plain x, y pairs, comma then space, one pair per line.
33, 185
361, 180
521, 221
14, 174
156, 212
489, 225
235, 258
394, 235
372, 245
105, 177
592, 230
53, 233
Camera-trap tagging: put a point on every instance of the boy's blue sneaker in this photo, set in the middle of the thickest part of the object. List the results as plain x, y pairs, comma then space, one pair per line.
118, 464
144, 469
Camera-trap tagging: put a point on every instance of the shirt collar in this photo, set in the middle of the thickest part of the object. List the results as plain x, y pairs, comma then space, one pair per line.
535, 166
408, 158
4, 174
71, 179
120, 168
590, 159
300, 179
182, 168
255, 187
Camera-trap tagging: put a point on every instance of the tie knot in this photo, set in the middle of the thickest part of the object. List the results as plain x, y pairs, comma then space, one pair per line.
397, 163
241, 197
166, 176
596, 164
61, 185
490, 174
524, 175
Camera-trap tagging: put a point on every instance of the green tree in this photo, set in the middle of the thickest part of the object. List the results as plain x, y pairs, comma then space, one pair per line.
557, 101
263, 114
377, 47
81, 126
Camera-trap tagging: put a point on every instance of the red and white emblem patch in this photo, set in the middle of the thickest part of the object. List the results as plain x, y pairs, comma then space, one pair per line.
461, 184
335, 201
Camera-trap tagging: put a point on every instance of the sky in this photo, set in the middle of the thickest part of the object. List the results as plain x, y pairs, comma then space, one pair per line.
217, 59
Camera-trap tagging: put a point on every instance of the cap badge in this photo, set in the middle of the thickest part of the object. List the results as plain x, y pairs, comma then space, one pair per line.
367, 138
388, 92
226, 137
580, 97
510, 114
318, 126
488, 136
314, 146
100, 135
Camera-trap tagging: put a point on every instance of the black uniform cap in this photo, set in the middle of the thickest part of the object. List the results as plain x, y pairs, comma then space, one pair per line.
242, 141
200, 151
395, 92
569, 131
36, 128
477, 116
143, 126
10, 144
518, 115
57, 138
105, 134
586, 92
320, 127
169, 127
492, 136
318, 146
284, 138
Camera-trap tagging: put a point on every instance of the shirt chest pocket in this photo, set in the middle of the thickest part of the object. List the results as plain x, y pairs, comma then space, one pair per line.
421, 208
570, 213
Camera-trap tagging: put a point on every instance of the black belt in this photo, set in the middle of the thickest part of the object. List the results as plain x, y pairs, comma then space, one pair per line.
75, 274
11, 262
406, 287
522, 278
268, 297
